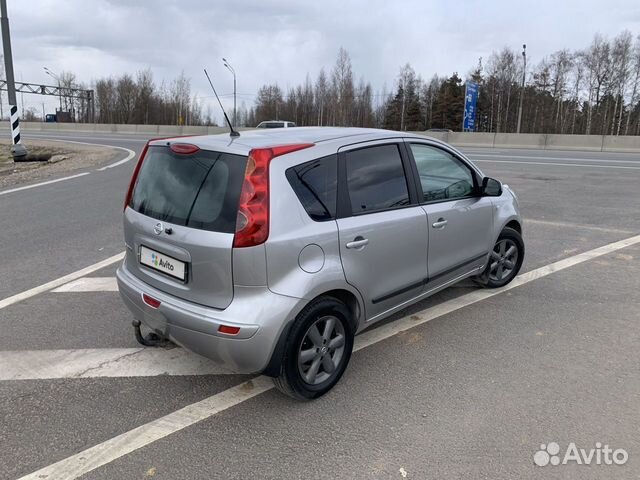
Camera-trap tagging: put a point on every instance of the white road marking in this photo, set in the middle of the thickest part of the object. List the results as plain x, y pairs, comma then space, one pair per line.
130, 155
103, 362
386, 331
565, 159
479, 152
60, 281
90, 284
554, 164
106, 452
529, 221
110, 450
48, 182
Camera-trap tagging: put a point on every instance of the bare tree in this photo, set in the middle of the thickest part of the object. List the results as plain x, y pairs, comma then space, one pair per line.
636, 83
597, 62
127, 93
322, 97
342, 83
67, 82
621, 66
503, 72
144, 99
179, 97
578, 76
561, 63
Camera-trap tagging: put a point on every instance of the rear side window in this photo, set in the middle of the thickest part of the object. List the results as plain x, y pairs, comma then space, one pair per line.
375, 179
315, 184
199, 191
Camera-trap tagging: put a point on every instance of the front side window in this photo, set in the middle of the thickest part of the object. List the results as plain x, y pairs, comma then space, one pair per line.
375, 179
442, 175
315, 184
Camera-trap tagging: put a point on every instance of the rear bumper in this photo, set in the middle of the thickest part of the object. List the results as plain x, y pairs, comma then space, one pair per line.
260, 314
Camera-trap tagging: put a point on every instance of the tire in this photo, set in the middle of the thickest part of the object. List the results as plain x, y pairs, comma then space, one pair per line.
311, 349
503, 267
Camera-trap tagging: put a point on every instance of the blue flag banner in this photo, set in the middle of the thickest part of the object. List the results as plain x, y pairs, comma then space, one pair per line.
470, 100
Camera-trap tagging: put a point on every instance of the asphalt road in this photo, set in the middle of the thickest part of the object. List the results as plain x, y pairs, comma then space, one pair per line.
472, 393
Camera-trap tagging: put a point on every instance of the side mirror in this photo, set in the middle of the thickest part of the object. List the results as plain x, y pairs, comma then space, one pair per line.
490, 187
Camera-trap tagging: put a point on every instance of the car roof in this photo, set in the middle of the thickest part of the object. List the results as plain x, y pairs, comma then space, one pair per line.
281, 136
270, 137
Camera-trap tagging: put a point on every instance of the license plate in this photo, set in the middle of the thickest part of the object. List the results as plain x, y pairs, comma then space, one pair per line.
162, 263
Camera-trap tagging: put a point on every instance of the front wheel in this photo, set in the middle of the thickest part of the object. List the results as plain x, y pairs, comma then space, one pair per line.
504, 261
317, 351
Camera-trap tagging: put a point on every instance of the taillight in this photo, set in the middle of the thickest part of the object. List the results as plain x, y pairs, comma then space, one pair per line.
252, 223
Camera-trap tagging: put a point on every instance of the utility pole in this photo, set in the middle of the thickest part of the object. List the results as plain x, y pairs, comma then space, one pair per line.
18, 151
524, 74
230, 68
403, 98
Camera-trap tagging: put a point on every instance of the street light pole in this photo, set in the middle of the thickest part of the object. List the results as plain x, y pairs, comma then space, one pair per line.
230, 68
17, 150
524, 73
57, 79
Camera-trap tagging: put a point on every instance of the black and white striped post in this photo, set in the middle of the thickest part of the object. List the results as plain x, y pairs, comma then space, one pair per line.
15, 125
18, 150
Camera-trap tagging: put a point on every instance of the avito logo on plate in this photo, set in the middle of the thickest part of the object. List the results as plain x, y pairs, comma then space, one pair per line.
159, 262
549, 454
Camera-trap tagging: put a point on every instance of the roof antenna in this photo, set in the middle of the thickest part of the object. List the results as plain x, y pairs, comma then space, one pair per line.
233, 133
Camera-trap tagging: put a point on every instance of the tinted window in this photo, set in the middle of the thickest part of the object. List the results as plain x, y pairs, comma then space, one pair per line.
199, 191
375, 179
442, 175
315, 184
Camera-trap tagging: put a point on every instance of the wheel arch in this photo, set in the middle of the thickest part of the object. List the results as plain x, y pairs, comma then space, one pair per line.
513, 224
348, 298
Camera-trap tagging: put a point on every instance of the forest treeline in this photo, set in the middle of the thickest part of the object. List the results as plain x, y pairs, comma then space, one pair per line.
595, 90
591, 91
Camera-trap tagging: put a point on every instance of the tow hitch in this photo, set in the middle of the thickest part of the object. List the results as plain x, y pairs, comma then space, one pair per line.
151, 340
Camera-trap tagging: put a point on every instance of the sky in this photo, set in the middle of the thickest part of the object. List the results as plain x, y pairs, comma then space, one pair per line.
269, 41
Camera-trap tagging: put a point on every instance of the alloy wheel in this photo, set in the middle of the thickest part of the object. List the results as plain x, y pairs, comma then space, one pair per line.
503, 259
321, 350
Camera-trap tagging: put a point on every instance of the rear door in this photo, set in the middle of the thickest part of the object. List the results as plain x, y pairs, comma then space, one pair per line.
382, 231
460, 221
180, 226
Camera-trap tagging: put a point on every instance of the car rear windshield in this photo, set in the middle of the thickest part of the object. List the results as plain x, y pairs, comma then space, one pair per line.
200, 191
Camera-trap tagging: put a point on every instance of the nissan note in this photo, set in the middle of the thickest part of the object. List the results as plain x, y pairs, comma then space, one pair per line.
270, 251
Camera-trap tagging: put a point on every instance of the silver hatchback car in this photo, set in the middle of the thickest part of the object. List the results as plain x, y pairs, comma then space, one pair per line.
269, 252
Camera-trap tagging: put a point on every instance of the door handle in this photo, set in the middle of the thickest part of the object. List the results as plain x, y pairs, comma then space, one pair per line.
440, 223
358, 242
